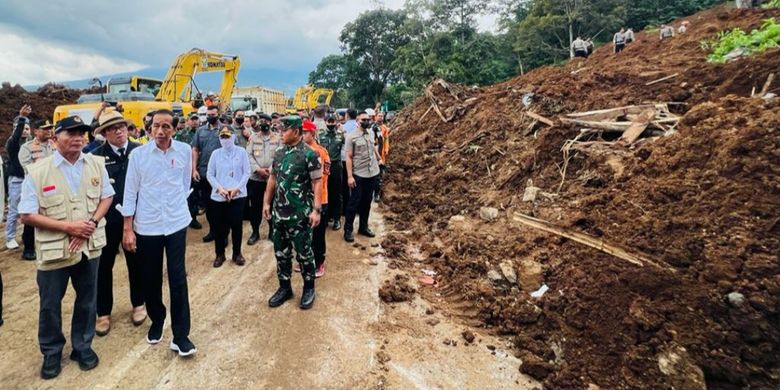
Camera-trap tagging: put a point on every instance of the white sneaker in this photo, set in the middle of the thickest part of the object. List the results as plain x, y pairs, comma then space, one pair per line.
184, 347
11, 244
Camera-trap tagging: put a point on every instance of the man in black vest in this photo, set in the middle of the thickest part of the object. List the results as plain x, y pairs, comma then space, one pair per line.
116, 150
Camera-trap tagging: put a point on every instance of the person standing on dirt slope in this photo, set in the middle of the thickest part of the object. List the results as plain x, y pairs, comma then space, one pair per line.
156, 219
65, 197
683, 27
318, 241
629, 36
261, 148
15, 173
113, 126
619, 39
205, 142
228, 173
363, 162
666, 32
294, 186
32, 151
348, 127
332, 139
580, 48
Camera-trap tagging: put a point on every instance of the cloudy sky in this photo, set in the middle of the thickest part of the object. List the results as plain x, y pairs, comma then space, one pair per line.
58, 40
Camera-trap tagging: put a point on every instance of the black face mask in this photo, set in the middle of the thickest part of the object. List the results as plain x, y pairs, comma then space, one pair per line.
211, 120
331, 127
239, 121
265, 126
365, 124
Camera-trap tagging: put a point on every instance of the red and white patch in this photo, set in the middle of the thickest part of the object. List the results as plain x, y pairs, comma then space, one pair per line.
49, 190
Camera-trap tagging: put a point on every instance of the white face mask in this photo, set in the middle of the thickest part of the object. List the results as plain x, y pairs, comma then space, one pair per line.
227, 143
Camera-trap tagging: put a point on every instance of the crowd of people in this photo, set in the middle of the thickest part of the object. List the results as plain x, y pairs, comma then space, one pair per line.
83, 190
583, 47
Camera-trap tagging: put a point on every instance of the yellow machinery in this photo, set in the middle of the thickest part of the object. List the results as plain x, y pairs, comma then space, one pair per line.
308, 97
140, 95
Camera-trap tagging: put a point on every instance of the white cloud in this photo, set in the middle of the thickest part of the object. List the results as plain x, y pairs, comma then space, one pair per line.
31, 61
83, 38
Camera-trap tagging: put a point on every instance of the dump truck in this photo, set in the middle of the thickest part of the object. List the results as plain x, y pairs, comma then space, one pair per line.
259, 99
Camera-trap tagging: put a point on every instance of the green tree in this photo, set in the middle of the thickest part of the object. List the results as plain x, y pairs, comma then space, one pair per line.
370, 43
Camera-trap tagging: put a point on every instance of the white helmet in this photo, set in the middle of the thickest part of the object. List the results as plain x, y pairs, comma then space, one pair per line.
202, 110
250, 113
370, 111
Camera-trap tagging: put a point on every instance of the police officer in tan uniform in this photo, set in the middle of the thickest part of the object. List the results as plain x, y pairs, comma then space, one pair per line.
65, 196
30, 152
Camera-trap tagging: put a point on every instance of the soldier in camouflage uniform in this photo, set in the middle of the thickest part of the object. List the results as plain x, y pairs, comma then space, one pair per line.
295, 186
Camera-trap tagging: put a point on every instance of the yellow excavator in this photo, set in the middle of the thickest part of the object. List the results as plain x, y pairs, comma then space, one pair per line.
141, 95
308, 97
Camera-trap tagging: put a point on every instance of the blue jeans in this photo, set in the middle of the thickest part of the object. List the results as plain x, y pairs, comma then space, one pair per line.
14, 196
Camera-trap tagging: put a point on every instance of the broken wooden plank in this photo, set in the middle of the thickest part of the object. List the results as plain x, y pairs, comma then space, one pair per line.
610, 113
637, 127
540, 118
599, 244
662, 79
767, 84
612, 126
580, 70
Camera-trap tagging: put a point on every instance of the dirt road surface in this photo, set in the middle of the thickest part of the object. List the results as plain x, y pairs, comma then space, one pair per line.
350, 339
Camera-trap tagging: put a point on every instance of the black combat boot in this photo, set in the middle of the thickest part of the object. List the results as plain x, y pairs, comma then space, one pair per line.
282, 295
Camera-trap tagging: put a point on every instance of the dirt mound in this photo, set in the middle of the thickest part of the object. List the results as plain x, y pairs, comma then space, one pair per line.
43, 102
701, 201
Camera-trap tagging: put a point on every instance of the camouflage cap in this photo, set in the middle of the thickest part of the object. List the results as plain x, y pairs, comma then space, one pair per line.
292, 122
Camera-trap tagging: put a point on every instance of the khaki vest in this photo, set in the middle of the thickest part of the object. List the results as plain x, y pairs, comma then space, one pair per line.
51, 246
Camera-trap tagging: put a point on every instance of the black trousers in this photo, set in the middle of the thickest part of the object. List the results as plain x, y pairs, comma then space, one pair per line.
360, 202
228, 217
205, 196
619, 47
51, 289
105, 290
581, 53
28, 238
378, 191
345, 190
192, 200
318, 237
334, 193
150, 249
255, 193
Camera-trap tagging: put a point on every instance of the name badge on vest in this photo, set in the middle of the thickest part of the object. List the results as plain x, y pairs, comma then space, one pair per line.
49, 190
95, 181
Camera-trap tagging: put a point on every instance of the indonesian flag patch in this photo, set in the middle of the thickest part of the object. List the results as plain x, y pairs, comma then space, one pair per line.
49, 190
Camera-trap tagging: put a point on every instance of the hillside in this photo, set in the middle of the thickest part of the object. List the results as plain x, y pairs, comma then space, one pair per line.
693, 205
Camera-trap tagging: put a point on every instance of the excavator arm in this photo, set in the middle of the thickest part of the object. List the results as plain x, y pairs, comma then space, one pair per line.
180, 75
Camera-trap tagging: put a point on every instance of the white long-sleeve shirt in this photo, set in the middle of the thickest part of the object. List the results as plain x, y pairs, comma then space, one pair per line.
156, 188
228, 169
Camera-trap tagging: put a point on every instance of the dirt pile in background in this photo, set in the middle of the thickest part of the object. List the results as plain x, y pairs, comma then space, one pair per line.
703, 202
43, 102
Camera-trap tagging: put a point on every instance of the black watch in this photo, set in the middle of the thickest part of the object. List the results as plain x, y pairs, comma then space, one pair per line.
318, 210
93, 221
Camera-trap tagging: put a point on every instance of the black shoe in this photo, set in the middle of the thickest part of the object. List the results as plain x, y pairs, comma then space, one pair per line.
366, 232
348, 237
194, 224
376, 199
87, 359
209, 237
1, 322
184, 347
253, 239
28, 255
280, 296
307, 299
337, 225
155, 334
51, 366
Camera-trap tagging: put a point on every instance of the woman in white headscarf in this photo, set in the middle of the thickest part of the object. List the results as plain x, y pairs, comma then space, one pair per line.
228, 172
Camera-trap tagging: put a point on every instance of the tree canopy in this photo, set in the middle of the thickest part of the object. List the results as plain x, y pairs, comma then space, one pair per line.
390, 55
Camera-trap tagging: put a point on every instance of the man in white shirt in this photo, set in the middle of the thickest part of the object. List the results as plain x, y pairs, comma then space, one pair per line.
156, 220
